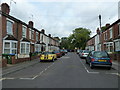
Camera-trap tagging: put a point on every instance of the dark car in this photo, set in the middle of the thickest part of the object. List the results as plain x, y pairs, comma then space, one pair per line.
62, 52
99, 58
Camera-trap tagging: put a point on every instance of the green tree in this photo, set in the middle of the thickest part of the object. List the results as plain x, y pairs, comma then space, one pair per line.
77, 39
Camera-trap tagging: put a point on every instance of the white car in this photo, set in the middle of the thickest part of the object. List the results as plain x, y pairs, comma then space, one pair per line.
84, 53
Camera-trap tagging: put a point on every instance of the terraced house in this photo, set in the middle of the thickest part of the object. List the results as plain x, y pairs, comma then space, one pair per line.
20, 38
109, 40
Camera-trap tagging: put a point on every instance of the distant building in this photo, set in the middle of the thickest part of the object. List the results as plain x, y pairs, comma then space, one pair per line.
119, 10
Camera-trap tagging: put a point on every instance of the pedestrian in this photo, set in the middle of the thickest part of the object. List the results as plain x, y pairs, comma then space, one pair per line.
30, 54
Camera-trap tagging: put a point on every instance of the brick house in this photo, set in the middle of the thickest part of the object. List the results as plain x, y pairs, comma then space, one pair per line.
109, 39
20, 38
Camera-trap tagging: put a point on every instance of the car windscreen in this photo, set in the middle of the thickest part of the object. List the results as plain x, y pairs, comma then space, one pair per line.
100, 54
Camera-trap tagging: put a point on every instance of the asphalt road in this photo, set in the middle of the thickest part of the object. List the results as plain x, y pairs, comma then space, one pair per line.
68, 71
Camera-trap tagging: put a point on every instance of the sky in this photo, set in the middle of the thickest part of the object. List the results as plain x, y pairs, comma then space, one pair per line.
60, 17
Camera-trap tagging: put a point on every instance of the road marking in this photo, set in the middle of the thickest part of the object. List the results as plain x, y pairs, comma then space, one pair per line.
2, 79
43, 71
65, 57
114, 74
27, 78
88, 70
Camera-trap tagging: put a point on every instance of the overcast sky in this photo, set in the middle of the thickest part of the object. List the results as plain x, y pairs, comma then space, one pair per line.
61, 17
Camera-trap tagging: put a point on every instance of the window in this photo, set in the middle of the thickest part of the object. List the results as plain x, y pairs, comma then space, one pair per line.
9, 27
10, 47
119, 29
111, 33
32, 34
37, 47
117, 45
24, 29
105, 35
30, 31
25, 48
36, 36
109, 47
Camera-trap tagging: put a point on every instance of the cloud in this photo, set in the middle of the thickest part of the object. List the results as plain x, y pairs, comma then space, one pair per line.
59, 18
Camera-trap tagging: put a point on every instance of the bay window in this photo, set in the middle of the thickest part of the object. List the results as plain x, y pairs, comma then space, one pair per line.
117, 45
37, 47
25, 47
9, 47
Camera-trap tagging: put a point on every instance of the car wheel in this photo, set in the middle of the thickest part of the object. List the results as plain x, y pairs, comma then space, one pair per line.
40, 60
53, 60
109, 68
91, 66
86, 62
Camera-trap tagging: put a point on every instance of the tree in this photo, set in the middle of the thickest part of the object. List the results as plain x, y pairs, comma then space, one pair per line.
77, 39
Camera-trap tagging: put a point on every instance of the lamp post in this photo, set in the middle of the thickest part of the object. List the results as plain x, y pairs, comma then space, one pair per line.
100, 39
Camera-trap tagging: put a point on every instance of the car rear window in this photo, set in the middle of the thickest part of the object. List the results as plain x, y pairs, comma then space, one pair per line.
86, 51
47, 52
56, 52
100, 54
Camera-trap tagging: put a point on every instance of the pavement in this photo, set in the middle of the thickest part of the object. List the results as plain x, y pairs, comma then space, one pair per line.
16, 67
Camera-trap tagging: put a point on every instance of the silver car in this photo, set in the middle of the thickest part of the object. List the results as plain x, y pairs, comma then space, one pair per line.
84, 53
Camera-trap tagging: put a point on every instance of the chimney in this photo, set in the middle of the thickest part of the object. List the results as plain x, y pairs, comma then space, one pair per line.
98, 31
49, 35
107, 25
43, 31
5, 8
31, 23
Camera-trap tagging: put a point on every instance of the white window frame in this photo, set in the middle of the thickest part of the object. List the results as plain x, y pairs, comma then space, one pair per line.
37, 47
111, 33
24, 30
8, 20
117, 47
108, 45
25, 48
32, 34
11, 48
37, 35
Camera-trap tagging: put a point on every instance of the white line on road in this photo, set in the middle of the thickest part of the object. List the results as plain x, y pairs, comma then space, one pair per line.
27, 78
88, 70
114, 74
43, 71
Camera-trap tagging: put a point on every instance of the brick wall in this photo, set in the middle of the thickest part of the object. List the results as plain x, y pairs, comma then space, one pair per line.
0, 38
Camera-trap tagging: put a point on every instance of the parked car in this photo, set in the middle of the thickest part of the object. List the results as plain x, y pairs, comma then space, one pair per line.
63, 51
99, 58
48, 56
84, 53
80, 52
58, 53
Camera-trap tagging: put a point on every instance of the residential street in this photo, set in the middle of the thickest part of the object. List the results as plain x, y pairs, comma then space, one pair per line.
68, 71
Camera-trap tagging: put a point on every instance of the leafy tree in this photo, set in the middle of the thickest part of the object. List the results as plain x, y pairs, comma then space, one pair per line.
77, 39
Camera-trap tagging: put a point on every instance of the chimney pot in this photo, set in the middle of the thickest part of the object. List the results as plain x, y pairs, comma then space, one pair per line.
98, 31
43, 31
31, 23
5, 8
49, 35
107, 25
